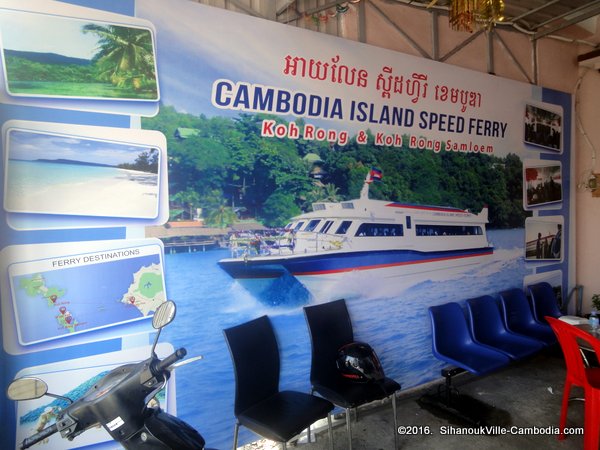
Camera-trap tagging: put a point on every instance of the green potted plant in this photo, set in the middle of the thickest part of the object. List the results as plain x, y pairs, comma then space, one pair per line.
596, 302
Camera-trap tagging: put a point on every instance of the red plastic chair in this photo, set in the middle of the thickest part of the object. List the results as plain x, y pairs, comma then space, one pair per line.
579, 375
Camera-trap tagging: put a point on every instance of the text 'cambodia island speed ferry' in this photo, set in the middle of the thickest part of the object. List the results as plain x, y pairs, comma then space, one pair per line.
342, 248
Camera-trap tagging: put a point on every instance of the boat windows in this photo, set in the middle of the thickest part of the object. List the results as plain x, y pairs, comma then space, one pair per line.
312, 225
448, 230
318, 207
298, 226
326, 226
343, 227
380, 230
347, 205
408, 223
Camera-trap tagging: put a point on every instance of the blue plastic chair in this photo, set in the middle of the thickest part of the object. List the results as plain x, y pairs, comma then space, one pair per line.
519, 319
453, 343
488, 328
543, 301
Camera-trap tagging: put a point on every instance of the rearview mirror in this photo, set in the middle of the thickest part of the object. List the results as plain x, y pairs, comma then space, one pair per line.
27, 388
164, 314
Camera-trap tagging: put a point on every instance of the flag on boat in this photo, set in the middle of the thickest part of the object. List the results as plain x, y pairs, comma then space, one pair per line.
376, 174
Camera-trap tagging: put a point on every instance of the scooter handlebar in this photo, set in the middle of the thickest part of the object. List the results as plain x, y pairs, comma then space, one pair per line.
168, 361
32, 440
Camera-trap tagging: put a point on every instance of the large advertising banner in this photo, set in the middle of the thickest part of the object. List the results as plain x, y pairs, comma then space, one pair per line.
242, 167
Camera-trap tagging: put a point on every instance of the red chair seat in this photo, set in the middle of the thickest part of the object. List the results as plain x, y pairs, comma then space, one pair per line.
579, 375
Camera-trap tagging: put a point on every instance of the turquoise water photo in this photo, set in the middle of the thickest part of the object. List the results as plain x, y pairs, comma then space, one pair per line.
76, 176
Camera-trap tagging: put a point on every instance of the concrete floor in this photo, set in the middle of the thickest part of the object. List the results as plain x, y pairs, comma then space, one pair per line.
525, 395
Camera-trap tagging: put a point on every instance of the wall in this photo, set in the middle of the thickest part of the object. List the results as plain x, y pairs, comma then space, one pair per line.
187, 37
556, 68
588, 207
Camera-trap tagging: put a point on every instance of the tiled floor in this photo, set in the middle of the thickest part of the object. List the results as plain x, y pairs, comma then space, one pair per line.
526, 397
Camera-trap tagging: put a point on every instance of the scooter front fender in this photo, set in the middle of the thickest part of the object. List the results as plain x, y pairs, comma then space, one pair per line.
163, 431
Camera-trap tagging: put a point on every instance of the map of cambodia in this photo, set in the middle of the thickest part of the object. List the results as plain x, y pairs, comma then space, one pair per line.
74, 297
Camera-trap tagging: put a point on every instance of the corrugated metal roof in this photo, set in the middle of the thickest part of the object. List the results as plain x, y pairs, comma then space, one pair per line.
575, 19
536, 17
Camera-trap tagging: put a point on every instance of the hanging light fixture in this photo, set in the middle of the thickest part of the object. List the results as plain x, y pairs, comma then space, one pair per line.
469, 15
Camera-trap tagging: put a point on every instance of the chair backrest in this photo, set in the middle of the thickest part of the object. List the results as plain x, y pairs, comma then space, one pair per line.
255, 356
567, 335
449, 328
543, 301
330, 328
485, 318
516, 310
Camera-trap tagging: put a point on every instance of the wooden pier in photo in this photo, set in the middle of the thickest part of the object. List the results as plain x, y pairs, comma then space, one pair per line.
192, 236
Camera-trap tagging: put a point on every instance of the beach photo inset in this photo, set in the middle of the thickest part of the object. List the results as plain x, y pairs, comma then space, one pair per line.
543, 184
53, 56
70, 175
543, 128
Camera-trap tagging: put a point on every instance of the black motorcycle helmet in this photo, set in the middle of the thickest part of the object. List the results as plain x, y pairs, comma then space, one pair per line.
357, 361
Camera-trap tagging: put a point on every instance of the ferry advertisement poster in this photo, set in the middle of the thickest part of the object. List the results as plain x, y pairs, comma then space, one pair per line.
175, 179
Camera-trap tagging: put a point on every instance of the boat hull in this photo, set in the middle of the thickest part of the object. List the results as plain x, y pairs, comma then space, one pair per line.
343, 274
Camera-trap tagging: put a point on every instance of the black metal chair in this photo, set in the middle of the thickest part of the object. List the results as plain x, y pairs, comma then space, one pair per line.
330, 328
259, 405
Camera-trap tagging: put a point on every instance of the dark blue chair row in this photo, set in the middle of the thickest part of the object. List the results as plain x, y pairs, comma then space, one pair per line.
520, 317
543, 301
492, 336
488, 338
488, 328
454, 343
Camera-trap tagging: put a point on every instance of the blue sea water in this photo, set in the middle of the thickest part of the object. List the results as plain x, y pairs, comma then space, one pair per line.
396, 325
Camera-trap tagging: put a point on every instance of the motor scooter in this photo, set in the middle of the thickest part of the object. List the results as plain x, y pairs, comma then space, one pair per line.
122, 402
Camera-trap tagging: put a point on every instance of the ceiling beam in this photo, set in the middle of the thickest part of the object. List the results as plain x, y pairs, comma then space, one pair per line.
568, 13
246, 9
594, 11
462, 45
408, 39
534, 10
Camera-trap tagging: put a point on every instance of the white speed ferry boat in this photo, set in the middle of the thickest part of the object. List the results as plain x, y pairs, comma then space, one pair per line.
340, 248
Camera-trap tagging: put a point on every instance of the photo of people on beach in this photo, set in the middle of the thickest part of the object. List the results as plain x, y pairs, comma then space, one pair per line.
543, 128
54, 56
543, 184
543, 239
68, 175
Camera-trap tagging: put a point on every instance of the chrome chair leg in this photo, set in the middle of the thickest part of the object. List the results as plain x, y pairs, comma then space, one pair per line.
395, 420
348, 427
235, 435
330, 431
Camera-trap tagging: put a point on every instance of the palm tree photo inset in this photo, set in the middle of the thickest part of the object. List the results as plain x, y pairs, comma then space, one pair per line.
55, 56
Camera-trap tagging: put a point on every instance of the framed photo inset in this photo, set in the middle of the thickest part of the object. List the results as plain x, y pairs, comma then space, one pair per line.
46, 55
543, 183
544, 238
543, 128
